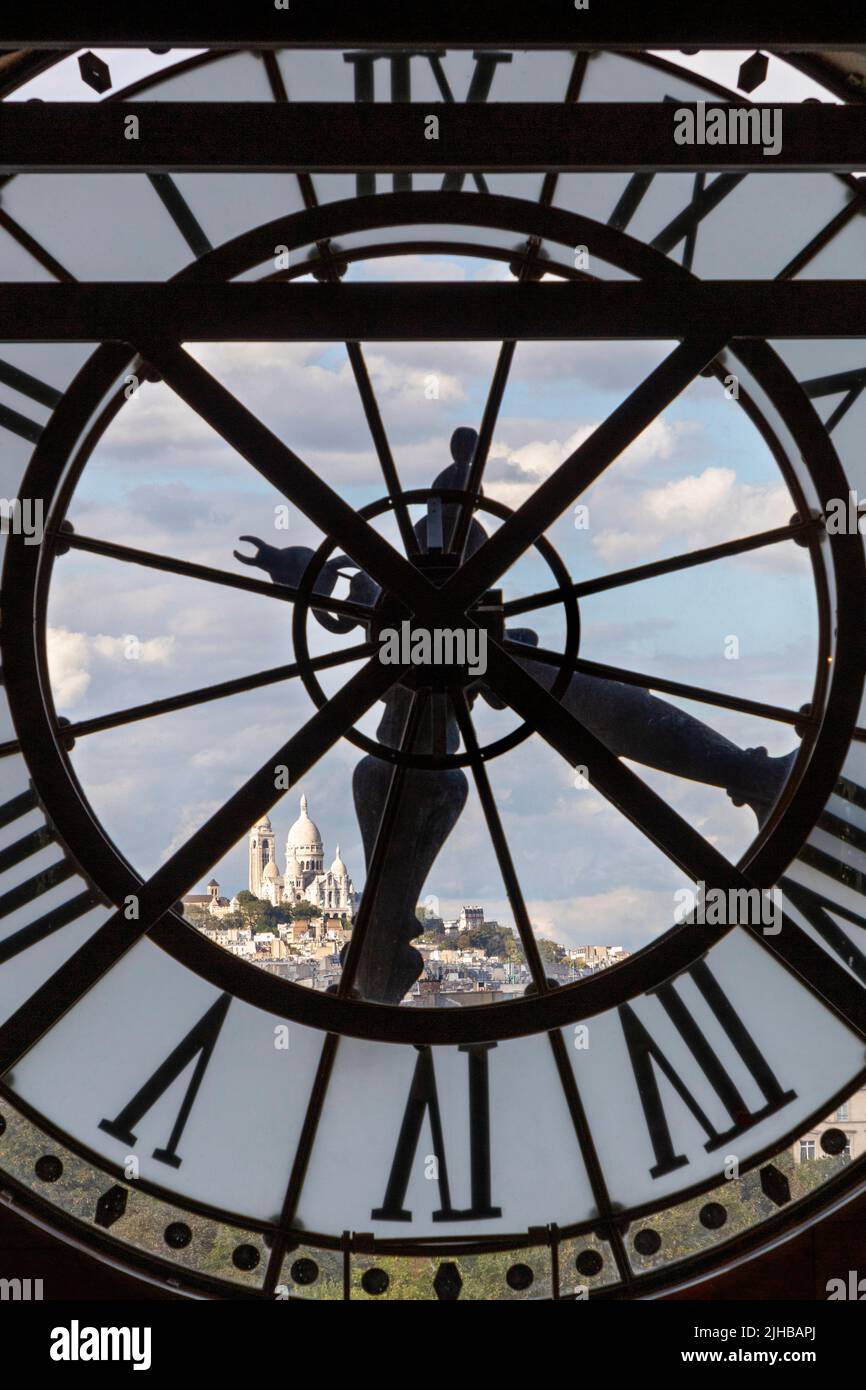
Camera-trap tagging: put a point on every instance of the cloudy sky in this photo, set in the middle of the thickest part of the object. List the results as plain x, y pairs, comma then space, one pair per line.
160, 479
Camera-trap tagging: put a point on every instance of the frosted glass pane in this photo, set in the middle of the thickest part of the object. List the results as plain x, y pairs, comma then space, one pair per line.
227, 204
753, 232
537, 1173
28, 970
808, 1051
18, 264
617, 77
239, 1142
231, 77
100, 227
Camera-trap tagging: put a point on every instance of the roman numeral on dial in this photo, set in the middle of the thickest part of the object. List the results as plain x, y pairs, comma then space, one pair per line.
816, 900
364, 64
645, 1054
198, 1045
32, 888
424, 1099
29, 386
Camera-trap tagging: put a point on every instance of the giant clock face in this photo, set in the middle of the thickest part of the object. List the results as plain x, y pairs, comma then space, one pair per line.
650, 738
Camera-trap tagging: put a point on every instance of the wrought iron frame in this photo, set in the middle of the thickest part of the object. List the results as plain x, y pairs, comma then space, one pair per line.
66, 426
725, 309
43, 739
770, 24
389, 137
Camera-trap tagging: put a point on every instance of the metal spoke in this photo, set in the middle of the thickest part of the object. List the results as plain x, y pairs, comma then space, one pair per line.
353, 349
354, 953
309, 1129
207, 693
493, 405
548, 597
666, 829
188, 570
646, 682
383, 448
823, 238
282, 468
659, 822
35, 248
611, 1227
181, 214
582, 467
177, 875
500, 845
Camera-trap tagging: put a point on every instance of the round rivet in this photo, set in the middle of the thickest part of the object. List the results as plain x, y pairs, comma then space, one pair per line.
519, 1278
246, 1257
713, 1216
304, 1272
589, 1262
834, 1142
647, 1242
374, 1282
178, 1235
48, 1168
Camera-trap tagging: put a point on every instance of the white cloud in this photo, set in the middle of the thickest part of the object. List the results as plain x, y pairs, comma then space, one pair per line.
188, 820
68, 666
516, 472
72, 657
700, 509
622, 916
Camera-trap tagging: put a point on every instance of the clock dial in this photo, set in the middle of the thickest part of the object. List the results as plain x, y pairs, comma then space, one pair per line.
354, 1081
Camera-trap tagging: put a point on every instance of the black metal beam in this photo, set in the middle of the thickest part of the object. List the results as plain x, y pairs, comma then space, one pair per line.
352, 137
126, 312
774, 24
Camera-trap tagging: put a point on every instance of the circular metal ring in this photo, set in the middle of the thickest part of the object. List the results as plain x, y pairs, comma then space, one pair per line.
429, 761
28, 569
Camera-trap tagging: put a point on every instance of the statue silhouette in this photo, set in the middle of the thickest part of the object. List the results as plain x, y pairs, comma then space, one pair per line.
627, 719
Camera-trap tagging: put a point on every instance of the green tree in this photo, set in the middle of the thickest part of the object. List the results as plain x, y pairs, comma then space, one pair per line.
550, 951
303, 910
490, 938
198, 916
233, 921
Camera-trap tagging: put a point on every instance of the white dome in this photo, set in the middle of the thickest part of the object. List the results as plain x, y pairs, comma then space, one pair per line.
338, 868
304, 834
271, 871
293, 868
